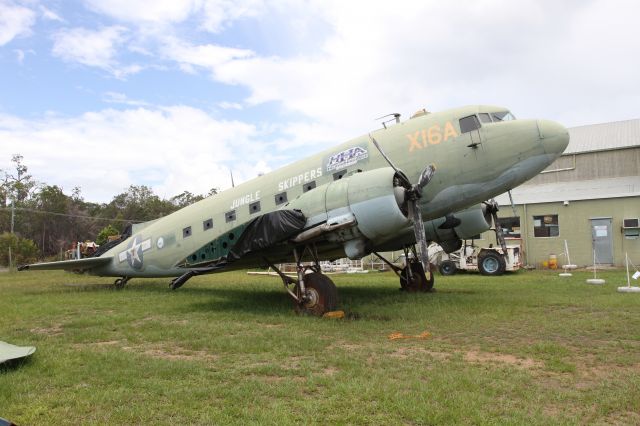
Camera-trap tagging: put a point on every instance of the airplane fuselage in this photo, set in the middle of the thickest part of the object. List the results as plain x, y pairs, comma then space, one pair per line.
472, 166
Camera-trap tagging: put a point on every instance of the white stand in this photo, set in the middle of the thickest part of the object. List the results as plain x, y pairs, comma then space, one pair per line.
629, 288
569, 265
595, 280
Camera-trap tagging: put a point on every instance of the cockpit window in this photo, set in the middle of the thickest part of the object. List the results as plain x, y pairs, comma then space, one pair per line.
485, 117
502, 116
468, 124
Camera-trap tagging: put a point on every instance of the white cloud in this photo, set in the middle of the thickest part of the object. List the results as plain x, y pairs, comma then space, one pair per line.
15, 21
230, 105
172, 149
50, 15
121, 98
158, 11
207, 56
97, 48
212, 15
542, 59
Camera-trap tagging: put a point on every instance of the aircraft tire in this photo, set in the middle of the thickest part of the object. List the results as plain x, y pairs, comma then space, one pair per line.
323, 295
491, 263
419, 281
119, 284
448, 267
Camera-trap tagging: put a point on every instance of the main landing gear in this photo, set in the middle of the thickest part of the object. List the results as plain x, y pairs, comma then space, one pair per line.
121, 282
413, 277
313, 292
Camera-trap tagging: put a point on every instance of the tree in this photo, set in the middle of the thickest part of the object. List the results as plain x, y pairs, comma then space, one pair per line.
18, 185
185, 199
23, 250
105, 233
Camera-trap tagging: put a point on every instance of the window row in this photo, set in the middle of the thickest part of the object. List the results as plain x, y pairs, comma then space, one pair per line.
543, 226
280, 199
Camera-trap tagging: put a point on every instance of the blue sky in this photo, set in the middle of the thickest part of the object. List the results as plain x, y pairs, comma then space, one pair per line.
103, 94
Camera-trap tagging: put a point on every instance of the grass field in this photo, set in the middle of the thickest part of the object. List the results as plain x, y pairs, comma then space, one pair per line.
528, 348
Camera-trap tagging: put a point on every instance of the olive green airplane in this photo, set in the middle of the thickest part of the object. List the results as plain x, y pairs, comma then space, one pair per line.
397, 188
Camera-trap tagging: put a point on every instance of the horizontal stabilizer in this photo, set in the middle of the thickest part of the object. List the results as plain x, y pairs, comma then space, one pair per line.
68, 265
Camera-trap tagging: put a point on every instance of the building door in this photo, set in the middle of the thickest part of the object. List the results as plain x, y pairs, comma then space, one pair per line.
601, 237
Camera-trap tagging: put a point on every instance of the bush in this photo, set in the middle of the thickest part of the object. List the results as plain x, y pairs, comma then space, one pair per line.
23, 250
106, 232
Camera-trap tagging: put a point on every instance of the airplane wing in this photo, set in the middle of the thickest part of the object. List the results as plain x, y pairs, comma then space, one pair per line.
68, 265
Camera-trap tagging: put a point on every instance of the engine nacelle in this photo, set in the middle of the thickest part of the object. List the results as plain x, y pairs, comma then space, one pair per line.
473, 221
368, 197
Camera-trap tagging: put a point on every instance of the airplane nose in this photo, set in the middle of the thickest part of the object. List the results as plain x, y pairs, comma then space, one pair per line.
554, 136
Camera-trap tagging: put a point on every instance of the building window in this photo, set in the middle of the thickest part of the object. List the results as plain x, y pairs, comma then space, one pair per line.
186, 232
468, 124
207, 224
281, 198
546, 226
230, 216
510, 226
254, 207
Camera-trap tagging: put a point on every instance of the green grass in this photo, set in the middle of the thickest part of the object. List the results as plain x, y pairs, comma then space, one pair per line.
527, 348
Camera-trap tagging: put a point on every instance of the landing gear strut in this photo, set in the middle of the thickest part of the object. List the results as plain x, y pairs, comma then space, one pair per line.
121, 282
313, 293
413, 276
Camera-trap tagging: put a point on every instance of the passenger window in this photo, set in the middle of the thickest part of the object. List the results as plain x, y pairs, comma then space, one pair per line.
485, 117
254, 207
281, 198
230, 216
186, 232
207, 224
309, 186
469, 124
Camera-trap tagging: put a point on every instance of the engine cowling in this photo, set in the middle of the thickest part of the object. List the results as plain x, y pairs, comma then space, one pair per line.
371, 198
473, 221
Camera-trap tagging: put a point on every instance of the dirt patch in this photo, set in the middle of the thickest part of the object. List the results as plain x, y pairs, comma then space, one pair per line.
330, 371
489, 357
54, 330
272, 325
408, 352
173, 354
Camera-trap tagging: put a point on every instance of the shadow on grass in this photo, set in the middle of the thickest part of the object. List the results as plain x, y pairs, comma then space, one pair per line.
12, 365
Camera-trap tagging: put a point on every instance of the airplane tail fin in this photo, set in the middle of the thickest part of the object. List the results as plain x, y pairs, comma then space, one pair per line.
76, 265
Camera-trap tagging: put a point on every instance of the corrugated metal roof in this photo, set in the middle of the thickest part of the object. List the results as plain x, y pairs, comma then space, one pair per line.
628, 186
605, 136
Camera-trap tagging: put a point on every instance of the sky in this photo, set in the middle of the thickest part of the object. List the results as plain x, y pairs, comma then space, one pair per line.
103, 94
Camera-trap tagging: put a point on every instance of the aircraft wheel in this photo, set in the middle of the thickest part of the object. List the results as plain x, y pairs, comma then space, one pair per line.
322, 295
448, 267
120, 283
491, 263
419, 280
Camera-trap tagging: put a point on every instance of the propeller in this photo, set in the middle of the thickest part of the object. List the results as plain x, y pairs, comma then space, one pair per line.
413, 193
492, 208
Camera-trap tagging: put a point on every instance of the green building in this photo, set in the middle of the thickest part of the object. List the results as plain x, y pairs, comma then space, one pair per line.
590, 197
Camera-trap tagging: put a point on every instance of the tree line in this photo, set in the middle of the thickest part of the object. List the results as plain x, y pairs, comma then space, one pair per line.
46, 221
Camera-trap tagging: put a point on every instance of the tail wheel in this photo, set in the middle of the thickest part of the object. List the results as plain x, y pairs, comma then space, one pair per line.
491, 263
321, 295
418, 280
448, 267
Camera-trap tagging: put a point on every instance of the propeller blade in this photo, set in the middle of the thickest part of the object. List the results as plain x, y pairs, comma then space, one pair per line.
421, 238
513, 206
426, 175
401, 175
496, 224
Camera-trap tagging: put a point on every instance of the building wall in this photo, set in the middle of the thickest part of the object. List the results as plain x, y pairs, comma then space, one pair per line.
591, 165
574, 226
